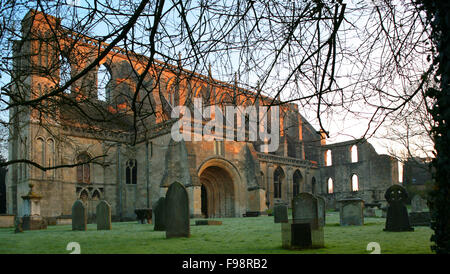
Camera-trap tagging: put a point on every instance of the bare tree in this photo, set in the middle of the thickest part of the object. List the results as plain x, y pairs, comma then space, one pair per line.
334, 60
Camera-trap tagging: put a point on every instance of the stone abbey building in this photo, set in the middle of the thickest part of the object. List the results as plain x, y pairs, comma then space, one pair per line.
127, 156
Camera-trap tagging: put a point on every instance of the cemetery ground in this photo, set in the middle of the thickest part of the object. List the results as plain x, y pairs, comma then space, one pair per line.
252, 235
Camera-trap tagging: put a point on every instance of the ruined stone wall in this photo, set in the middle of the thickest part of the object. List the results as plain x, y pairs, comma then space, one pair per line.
375, 172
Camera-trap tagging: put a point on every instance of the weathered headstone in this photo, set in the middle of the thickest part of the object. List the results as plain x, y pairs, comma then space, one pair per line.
159, 215
18, 225
280, 213
177, 211
79, 216
144, 215
304, 207
103, 215
208, 222
351, 212
322, 210
369, 212
418, 204
304, 230
419, 215
397, 215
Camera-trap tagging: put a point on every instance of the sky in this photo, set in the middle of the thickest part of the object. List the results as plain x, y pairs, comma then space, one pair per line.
341, 125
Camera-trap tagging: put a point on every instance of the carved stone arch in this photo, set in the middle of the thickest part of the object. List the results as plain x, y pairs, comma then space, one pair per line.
221, 180
40, 150
84, 193
96, 194
173, 96
222, 162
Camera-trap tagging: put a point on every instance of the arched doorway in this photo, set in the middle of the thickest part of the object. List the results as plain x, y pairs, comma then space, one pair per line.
217, 193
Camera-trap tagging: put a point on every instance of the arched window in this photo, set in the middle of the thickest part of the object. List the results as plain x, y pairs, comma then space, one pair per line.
65, 72
297, 178
328, 158
330, 185
355, 182
96, 195
103, 83
50, 157
313, 186
40, 153
278, 176
354, 153
83, 170
84, 195
131, 172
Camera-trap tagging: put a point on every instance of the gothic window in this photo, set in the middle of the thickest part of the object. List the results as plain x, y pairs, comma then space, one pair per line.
84, 195
103, 83
278, 176
313, 186
296, 182
330, 186
328, 158
96, 195
84, 169
40, 153
131, 172
355, 182
354, 153
50, 157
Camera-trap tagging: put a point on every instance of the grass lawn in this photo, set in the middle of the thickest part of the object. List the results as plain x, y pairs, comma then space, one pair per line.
236, 235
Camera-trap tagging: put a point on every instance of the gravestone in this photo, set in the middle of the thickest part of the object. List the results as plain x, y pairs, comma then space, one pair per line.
369, 212
103, 215
322, 210
351, 211
177, 211
79, 216
18, 222
159, 215
397, 218
418, 204
419, 215
280, 213
144, 215
304, 230
384, 211
208, 222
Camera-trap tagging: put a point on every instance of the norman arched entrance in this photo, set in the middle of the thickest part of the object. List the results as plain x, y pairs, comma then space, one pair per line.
217, 192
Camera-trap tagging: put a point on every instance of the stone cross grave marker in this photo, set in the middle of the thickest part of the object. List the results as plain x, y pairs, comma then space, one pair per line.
397, 218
